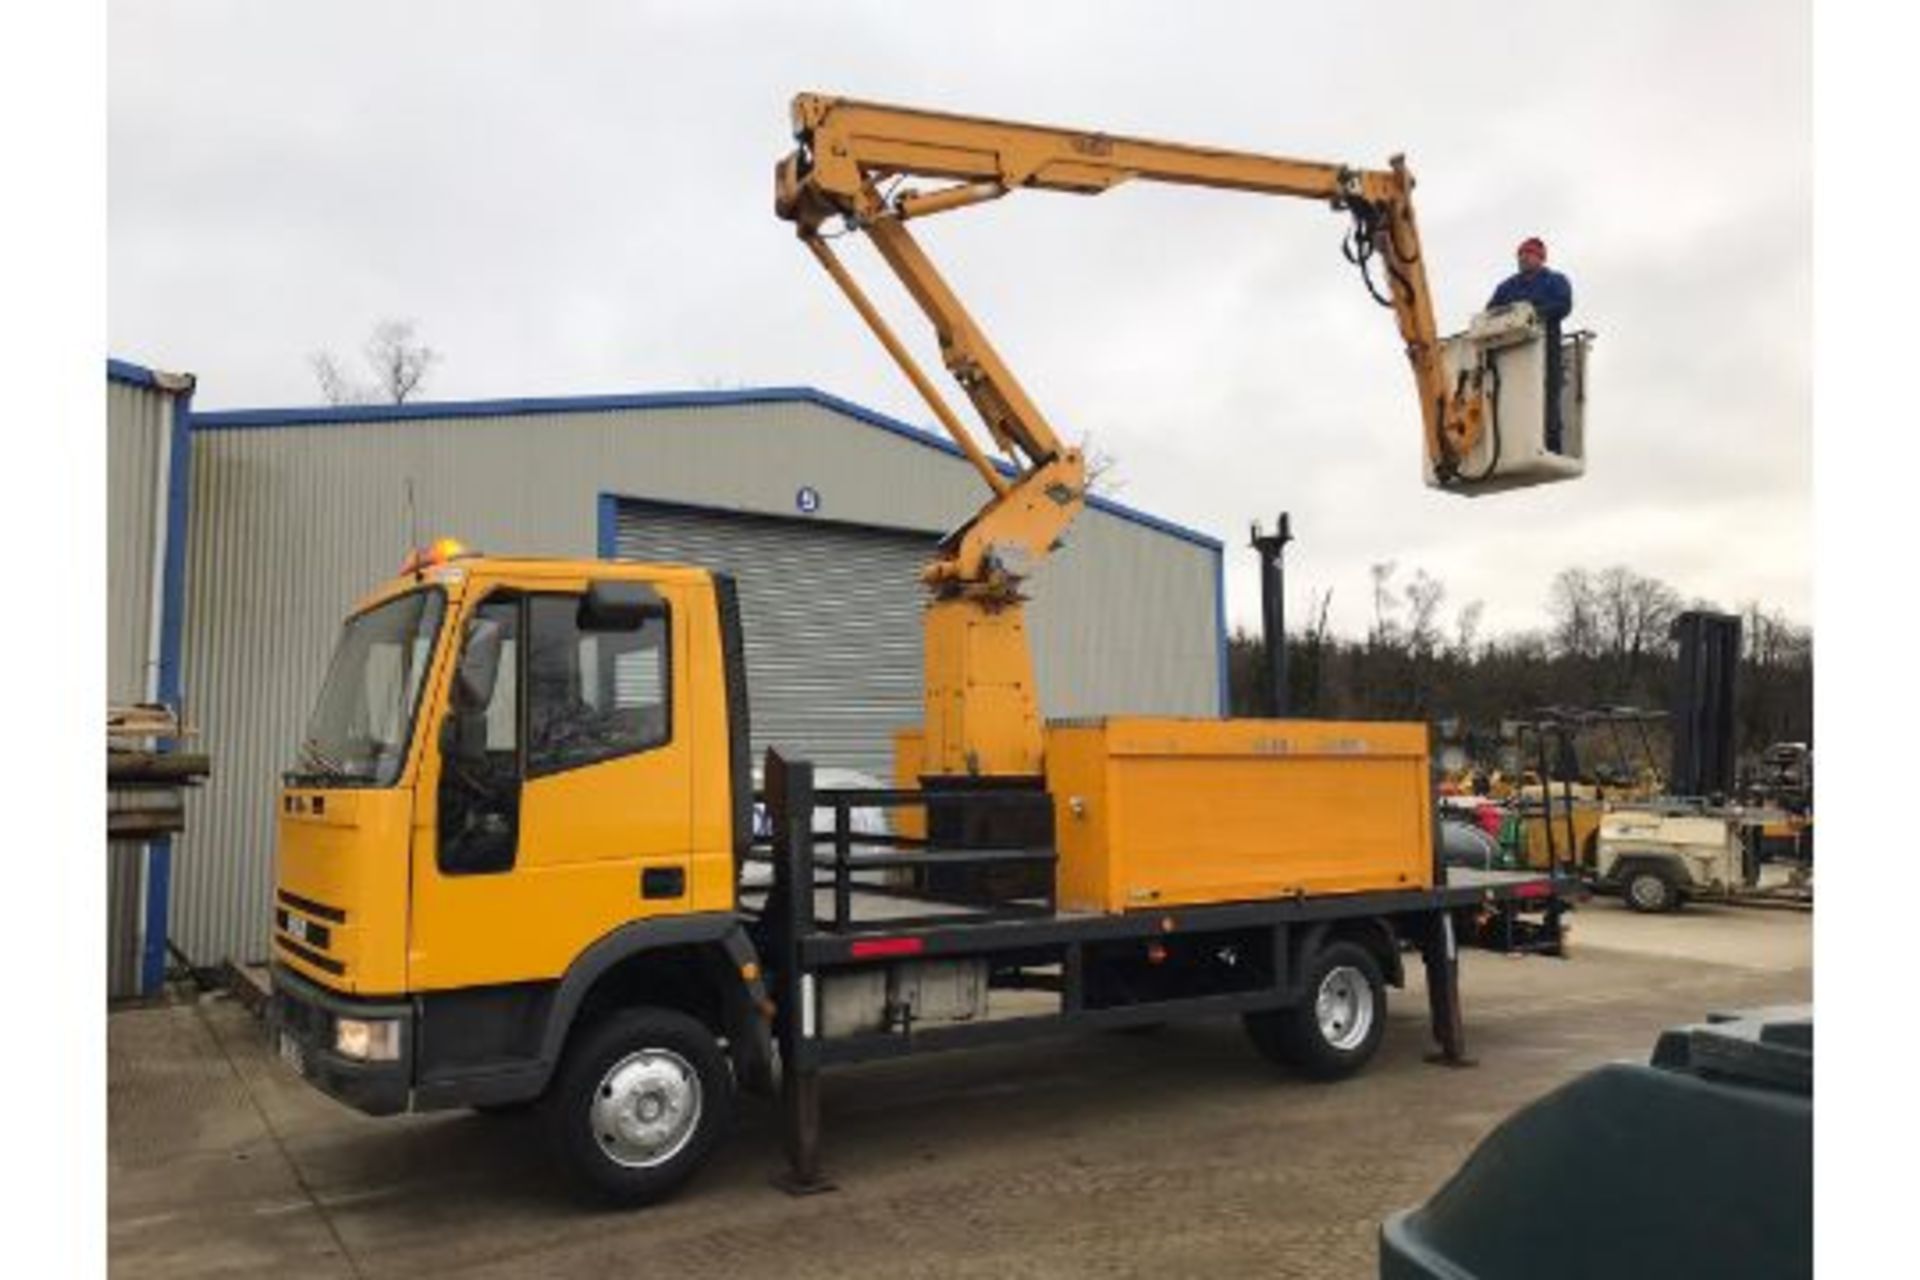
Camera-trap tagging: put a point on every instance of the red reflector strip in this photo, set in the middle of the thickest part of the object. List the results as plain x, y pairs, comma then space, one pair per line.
1533, 889
872, 948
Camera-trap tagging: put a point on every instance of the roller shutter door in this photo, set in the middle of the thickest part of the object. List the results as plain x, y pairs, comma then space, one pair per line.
832, 620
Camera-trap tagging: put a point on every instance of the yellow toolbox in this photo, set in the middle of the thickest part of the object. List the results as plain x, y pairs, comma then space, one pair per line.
1156, 812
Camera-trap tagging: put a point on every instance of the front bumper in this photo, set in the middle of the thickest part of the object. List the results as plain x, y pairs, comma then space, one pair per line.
301, 1020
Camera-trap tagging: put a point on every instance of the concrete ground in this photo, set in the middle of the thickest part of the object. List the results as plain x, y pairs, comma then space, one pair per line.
1177, 1153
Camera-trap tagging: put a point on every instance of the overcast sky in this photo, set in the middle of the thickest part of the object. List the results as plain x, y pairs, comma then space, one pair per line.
576, 198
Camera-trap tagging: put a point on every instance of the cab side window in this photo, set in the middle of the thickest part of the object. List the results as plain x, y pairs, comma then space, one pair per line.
593, 695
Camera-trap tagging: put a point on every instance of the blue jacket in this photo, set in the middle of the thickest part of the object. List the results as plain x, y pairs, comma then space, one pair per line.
1547, 290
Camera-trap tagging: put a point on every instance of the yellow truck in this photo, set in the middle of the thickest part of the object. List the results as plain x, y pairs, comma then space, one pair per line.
514, 849
512, 855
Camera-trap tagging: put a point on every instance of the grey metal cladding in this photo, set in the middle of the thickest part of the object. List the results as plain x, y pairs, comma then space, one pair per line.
139, 431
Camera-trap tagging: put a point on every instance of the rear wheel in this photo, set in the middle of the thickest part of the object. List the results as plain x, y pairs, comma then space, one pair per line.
1336, 1030
1650, 889
638, 1104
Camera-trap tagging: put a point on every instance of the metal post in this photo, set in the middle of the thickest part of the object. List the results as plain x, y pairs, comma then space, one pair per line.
1442, 957
1073, 979
789, 789
1273, 610
1566, 815
1546, 793
842, 854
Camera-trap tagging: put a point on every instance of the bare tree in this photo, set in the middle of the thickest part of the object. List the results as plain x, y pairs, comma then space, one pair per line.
398, 366
1308, 677
1634, 614
335, 385
1773, 640
1575, 612
1318, 607
1103, 475
1603, 622
1424, 595
1466, 629
1385, 601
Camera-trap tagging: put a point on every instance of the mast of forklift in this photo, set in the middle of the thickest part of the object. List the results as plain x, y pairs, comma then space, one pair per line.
852, 167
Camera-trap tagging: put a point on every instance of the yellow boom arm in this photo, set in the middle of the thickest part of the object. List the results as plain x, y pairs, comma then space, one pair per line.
852, 167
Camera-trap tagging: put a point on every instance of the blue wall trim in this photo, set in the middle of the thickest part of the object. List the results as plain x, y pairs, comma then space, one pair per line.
361, 415
606, 539
155, 928
1220, 625
134, 375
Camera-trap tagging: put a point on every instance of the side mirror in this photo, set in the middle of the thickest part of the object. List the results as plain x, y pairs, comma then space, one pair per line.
618, 606
479, 667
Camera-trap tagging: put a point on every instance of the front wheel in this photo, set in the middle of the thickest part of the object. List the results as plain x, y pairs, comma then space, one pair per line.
638, 1104
1336, 1030
1650, 890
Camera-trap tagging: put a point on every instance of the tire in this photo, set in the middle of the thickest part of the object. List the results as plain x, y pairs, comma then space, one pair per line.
1337, 1027
640, 1100
1650, 890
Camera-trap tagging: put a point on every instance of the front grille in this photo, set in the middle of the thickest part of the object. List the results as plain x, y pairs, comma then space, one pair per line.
314, 958
318, 910
303, 930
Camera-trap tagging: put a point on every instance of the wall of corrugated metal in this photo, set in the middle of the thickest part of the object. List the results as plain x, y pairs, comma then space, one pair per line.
139, 429
292, 523
139, 434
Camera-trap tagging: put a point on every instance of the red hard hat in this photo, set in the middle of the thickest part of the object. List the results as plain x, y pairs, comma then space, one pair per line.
1534, 243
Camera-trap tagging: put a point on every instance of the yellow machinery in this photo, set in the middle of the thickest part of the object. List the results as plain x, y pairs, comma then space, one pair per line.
516, 852
852, 168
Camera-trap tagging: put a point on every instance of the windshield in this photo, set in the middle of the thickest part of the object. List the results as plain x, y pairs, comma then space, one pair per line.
360, 727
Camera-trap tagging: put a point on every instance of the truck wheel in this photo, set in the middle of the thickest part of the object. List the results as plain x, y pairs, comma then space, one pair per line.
1650, 889
1336, 1029
638, 1104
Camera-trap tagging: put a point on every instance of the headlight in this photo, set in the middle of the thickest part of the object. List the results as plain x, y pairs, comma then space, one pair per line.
369, 1041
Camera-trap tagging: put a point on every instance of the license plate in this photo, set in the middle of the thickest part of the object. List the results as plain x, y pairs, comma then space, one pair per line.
292, 1054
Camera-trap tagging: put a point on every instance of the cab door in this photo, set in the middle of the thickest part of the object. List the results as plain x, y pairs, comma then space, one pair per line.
563, 801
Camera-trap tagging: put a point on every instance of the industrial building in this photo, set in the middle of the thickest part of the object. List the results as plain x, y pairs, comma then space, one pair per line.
822, 509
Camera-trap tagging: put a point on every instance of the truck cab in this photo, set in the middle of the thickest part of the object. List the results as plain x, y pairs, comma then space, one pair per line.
520, 777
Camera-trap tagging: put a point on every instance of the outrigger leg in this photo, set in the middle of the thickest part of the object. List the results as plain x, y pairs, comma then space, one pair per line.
800, 1133
1442, 956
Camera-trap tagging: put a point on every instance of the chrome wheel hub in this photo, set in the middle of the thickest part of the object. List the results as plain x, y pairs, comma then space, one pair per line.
646, 1108
1344, 1008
